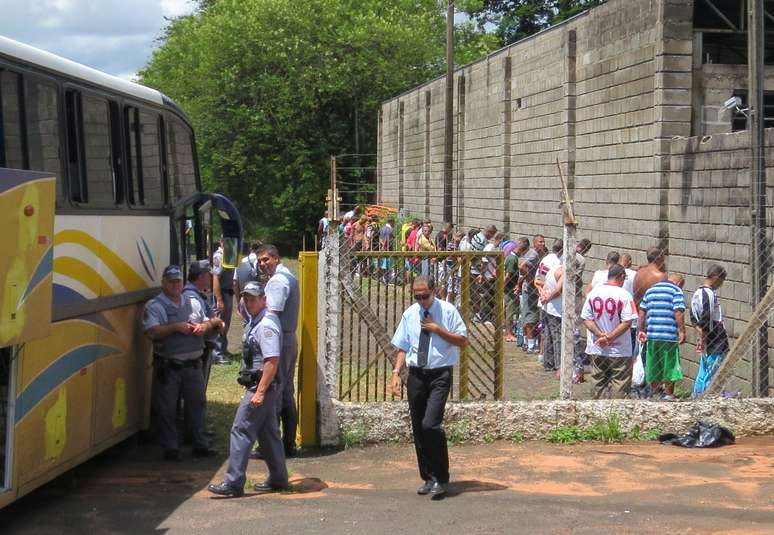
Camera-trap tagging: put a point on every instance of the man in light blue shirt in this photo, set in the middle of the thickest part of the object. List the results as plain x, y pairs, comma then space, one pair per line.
283, 298
428, 339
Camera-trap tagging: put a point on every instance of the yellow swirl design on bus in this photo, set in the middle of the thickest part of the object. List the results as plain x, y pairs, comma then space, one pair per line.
126, 275
83, 273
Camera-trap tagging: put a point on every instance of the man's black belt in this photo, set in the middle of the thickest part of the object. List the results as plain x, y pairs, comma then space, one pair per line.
177, 364
251, 379
227, 290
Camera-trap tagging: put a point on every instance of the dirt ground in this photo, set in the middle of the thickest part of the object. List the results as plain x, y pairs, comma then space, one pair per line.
530, 487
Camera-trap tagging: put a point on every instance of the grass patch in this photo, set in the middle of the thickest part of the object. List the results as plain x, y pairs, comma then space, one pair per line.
354, 436
682, 392
223, 397
607, 431
516, 437
488, 438
458, 432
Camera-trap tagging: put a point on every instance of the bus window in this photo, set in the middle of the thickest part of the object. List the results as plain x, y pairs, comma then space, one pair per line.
75, 156
155, 192
12, 149
42, 111
180, 156
100, 178
134, 189
143, 147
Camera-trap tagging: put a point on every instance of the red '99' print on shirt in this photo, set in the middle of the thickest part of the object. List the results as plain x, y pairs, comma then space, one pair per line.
609, 305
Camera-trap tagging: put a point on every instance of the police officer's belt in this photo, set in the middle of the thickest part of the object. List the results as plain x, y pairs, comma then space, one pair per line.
177, 364
250, 379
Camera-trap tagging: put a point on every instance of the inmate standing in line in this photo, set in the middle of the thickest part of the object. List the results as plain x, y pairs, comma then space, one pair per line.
428, 339
256, 417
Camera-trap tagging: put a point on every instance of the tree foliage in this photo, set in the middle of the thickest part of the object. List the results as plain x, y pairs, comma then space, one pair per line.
513, 20
273, 88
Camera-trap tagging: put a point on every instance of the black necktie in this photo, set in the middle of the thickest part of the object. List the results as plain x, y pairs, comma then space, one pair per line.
424, 344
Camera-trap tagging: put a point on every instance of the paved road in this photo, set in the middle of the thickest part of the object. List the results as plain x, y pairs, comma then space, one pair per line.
498, 488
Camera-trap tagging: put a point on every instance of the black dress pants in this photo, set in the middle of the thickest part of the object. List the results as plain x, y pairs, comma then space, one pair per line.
428, 390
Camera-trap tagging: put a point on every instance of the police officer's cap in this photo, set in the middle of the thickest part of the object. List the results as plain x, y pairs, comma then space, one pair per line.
253, 288
199, 266
173, 272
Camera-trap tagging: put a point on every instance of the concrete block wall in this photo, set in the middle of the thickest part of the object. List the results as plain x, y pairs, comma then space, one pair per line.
709, 222
598, 93
616, 182
611, 94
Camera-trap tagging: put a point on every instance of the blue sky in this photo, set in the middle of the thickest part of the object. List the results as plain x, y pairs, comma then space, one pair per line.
114, 36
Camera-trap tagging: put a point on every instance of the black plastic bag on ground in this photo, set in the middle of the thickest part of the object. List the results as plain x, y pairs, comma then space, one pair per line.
700, 435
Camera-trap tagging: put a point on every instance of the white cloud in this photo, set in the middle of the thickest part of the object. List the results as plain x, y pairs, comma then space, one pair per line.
175, 8
114, 36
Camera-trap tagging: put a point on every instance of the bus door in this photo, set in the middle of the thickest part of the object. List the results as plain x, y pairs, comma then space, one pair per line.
197, 217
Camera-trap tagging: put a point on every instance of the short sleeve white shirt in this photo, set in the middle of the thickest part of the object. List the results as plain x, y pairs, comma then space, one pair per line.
608, 306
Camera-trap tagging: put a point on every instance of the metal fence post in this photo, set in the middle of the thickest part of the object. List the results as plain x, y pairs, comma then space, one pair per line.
499, 326
465, 311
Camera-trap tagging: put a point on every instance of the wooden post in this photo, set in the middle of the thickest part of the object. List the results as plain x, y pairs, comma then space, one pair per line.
569, 316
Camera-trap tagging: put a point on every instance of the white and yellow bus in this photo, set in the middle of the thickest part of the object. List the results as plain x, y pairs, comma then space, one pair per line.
99, 190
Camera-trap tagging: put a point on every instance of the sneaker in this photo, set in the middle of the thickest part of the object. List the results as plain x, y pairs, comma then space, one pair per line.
477, 318
540, 358
667, 397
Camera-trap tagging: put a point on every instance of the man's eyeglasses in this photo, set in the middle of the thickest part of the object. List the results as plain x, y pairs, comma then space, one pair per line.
421, 297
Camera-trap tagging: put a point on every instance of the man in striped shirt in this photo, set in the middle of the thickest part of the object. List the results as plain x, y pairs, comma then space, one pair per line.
662, 326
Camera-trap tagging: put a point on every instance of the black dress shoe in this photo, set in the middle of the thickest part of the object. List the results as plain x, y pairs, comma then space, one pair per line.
224, 489
172, 455
204, 452
291, 452
425, 489
438, 490
268, 487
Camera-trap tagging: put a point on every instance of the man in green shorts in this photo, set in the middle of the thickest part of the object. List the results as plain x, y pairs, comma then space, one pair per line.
512, 295
662, 326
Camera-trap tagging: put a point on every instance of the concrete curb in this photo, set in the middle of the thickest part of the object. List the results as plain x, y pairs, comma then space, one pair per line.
479, 422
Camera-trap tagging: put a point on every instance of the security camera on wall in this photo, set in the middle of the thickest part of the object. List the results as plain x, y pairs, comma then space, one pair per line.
734, 103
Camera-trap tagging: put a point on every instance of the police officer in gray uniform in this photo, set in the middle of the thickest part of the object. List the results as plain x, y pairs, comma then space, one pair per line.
256, 417
177, 327
246, 271
283, 298
199, 282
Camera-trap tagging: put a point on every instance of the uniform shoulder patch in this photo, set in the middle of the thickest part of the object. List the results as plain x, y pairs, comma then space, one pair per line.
268, 333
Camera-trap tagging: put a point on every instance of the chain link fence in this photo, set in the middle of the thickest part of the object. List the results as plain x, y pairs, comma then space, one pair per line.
376, 290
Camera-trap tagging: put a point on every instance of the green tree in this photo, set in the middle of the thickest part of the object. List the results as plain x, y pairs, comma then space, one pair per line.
274, 87
512, 20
